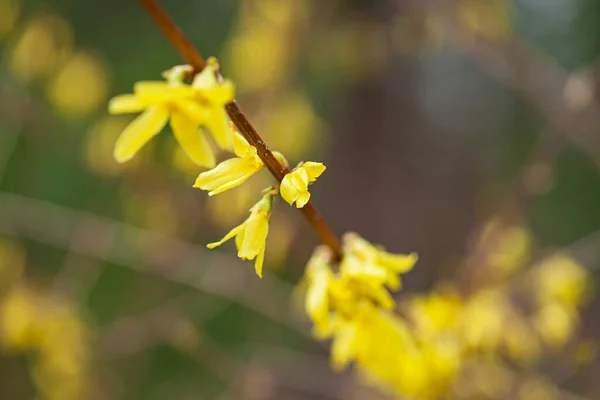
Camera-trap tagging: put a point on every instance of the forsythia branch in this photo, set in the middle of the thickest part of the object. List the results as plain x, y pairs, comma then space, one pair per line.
193, 57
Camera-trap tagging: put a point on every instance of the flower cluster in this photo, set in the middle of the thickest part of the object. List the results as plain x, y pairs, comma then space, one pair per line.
201, 104
353, 306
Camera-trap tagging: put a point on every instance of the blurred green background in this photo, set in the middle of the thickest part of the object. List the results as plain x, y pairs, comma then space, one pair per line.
432, 118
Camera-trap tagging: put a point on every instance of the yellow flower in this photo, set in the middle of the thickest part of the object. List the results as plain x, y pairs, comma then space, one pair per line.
251, 235
186, 107
294, 186
375, 262
233, 172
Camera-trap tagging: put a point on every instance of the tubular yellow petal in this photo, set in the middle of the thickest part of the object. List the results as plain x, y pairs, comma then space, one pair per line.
217, 122
235, 231
258, 265
192, 141
139, 132
255, 236
313, 170
125, 104
302, 199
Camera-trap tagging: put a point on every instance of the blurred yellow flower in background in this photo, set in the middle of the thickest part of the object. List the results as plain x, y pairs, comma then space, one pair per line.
561, 278
9, 12
45, 42
294, 186
81, 84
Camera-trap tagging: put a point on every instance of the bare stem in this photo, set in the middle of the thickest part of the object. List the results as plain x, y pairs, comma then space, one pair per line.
192, 56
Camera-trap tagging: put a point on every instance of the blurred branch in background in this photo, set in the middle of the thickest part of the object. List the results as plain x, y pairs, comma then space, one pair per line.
132, 247
567, 101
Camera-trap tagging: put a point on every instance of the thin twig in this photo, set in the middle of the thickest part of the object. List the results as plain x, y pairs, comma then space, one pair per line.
193, 57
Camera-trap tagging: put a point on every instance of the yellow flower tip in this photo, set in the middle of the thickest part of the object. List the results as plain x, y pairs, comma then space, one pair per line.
120, 156
124, 104
258, 265
314, 169
213, 245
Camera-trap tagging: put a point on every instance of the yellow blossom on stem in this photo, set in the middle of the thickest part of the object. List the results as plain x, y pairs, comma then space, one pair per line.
233, 172
187, 107
294, 186
251, 235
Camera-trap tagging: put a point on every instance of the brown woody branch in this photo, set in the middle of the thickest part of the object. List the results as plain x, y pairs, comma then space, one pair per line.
192, 56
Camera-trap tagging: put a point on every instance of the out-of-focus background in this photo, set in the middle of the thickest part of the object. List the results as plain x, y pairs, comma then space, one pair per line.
467, 131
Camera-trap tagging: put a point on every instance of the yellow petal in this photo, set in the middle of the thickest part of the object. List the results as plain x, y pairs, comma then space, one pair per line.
288, 191
313, 169
224, 172
258, 265
302, 199
235, 231
239, 239
240, 145
231, 184
192, 141
217, 122
139, 132
255, 236
398, 263
192, 110
300, 179
125, 104
159, 92
343, 348
220, 94
227, 175
151, 92
317, 300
